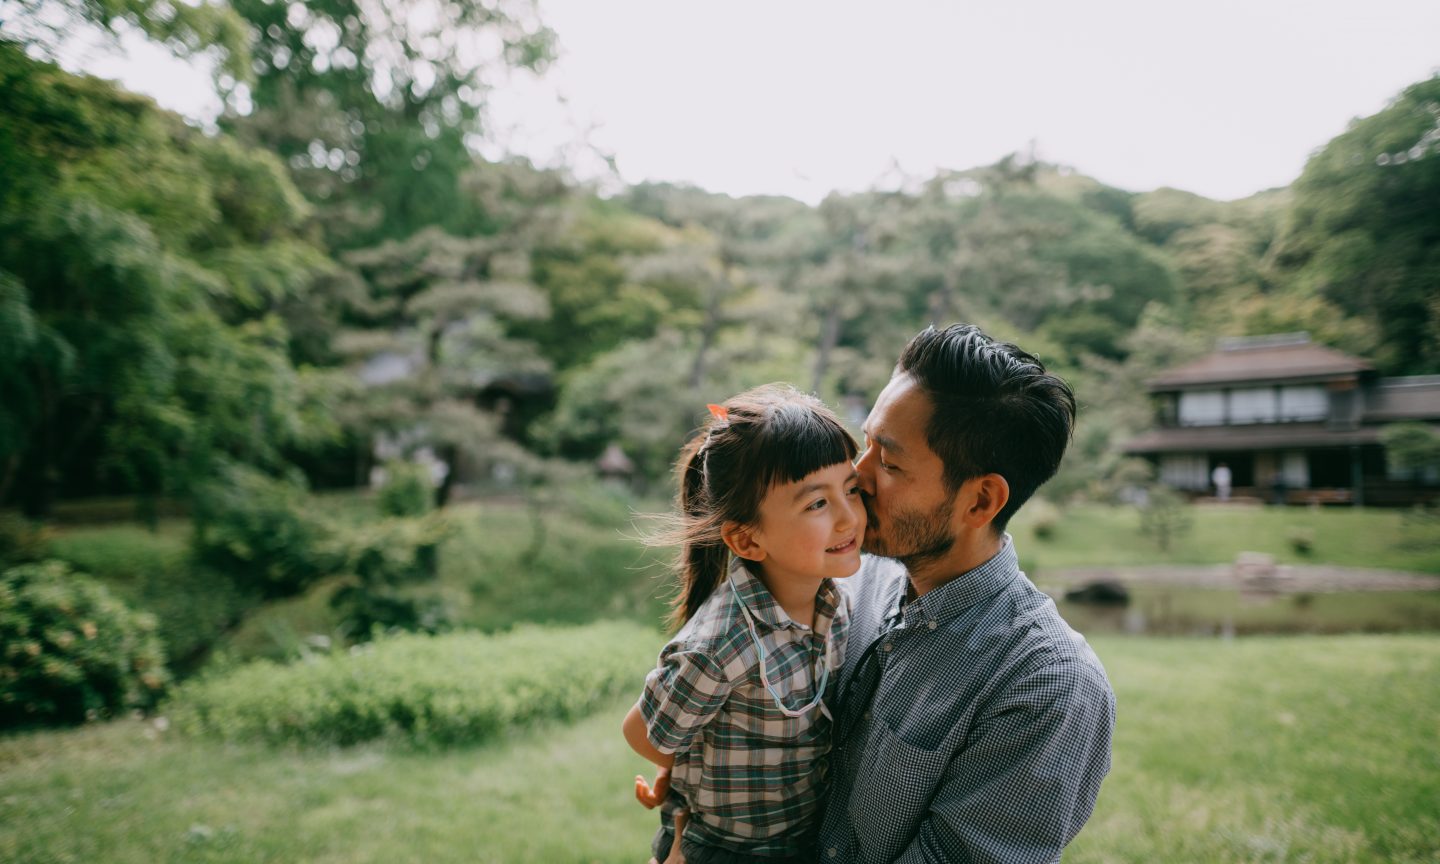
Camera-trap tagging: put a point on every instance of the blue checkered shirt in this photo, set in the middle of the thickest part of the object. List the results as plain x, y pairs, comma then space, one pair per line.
988, 733
752, 778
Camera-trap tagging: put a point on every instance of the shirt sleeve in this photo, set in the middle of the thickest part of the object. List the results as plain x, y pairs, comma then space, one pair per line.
1028, 778
681, 696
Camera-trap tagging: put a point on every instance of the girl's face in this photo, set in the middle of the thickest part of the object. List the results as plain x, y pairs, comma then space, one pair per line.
811, 528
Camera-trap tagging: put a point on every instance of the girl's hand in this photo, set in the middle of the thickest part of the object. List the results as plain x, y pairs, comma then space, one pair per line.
650, 796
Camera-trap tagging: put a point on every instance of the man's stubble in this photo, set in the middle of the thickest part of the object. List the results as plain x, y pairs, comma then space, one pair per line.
914, 537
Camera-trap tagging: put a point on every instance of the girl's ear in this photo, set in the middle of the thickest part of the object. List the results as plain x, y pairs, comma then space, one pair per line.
741, 540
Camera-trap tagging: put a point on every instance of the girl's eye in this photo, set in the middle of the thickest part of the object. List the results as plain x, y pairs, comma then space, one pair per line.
817, 505
853, 490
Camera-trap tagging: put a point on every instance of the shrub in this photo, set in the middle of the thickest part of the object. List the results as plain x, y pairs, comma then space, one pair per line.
456, 689
194, 605
263, 532
388, 560
21, 540
1164, 516
70, 650
1044, 518
408, 490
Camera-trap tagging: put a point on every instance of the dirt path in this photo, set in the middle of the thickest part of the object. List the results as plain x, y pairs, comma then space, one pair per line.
1286, 577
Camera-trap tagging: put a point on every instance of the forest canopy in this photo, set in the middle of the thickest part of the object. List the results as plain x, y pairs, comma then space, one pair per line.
334, 277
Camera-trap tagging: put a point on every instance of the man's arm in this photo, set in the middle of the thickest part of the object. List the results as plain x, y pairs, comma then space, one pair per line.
1028, 777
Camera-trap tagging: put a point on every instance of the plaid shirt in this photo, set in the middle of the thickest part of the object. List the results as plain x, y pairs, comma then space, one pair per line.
974, 725
751, 777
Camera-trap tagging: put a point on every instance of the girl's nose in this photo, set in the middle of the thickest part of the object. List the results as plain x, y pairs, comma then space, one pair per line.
850, 515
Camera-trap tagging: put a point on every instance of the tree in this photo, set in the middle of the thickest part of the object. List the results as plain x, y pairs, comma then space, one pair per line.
373, 106
189, 29
432, 331
139, 265
1412, 446
1362, 232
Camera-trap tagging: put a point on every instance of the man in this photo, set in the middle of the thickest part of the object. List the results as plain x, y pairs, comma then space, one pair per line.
1221, 477
973, 724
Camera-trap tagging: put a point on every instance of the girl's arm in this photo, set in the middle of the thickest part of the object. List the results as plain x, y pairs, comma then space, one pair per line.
634, 728
639, 741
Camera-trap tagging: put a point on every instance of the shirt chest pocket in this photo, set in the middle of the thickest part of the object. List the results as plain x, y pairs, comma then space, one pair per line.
893, 789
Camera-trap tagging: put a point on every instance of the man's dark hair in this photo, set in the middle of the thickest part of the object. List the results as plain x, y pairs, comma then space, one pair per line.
997, 411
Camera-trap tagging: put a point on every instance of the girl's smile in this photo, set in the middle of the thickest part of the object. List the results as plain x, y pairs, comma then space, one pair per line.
809, 529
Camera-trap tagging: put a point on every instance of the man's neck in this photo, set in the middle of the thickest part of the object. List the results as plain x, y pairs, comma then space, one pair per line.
964, 556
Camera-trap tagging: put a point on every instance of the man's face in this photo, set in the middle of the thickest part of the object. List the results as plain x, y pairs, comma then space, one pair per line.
902, 480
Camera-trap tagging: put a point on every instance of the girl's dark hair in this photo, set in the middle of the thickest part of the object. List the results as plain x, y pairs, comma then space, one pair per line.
773, 434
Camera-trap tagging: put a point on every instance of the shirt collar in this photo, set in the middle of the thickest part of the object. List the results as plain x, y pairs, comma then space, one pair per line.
761, 603
965, 590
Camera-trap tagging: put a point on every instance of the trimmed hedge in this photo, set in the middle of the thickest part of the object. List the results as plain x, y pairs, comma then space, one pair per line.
455, 689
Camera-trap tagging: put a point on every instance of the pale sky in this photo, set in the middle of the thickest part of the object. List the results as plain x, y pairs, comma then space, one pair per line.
799, 98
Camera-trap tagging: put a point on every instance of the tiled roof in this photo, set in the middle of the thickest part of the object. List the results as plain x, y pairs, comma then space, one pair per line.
1265, 361
1271, 436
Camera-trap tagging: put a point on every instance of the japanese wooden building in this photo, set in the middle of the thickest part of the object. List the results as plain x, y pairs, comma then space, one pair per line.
1294, 421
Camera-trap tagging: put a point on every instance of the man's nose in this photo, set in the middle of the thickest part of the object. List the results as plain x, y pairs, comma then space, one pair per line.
865, 468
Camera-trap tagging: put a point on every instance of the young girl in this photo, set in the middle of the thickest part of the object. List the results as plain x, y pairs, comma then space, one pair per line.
735, 714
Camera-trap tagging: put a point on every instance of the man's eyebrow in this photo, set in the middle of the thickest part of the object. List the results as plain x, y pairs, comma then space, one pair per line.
816, 487
887, 442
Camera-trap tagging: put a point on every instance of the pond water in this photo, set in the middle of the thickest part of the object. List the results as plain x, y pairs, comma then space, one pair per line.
1185, 611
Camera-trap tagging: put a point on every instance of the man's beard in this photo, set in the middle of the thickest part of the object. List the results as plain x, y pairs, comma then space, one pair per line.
914, 538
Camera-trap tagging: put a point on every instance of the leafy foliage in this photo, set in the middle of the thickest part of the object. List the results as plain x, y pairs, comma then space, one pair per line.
1164, 516
1362, 232
143, 345
407, 490
193, 604
263, 532
1412, 446
71, 650
388, 560
457, 689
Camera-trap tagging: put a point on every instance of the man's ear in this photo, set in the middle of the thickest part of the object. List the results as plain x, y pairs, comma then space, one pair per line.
741, 540
985, 497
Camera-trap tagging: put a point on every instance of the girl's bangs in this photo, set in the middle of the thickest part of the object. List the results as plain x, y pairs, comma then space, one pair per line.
800, 442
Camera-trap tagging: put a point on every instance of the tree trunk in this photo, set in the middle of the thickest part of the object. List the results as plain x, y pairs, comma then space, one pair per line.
7, 476
447, 485
537, 530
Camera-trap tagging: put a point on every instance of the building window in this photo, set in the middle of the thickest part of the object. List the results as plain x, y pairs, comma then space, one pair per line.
1185, 471
1252, 405
1202, 408
1304, 403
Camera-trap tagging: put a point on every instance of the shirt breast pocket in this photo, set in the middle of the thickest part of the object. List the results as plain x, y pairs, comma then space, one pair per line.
893, 790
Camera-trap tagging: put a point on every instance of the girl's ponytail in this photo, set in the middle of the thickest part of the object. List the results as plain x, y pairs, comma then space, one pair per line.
703, 553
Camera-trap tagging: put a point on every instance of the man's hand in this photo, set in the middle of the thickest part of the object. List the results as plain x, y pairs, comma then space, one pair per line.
650, 796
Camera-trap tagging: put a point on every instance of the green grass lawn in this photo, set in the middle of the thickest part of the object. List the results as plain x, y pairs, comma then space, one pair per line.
1313, 749
587, 562
1095, 535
